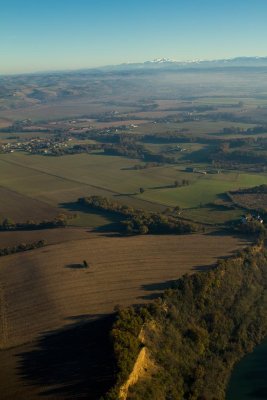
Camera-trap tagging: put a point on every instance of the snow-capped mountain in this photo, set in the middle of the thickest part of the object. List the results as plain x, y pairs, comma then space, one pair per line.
167, 63
161, 61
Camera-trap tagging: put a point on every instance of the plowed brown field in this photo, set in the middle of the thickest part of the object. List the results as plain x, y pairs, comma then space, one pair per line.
44, 290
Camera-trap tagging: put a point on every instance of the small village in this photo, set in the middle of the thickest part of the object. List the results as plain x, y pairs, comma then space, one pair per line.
36, 145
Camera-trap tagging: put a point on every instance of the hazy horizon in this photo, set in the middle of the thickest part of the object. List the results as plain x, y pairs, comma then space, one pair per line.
66, 69
67, 35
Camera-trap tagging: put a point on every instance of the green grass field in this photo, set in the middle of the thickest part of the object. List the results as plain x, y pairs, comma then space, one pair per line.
59, 181
203, 188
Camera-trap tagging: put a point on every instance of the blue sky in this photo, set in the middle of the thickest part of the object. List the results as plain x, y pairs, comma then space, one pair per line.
38, 35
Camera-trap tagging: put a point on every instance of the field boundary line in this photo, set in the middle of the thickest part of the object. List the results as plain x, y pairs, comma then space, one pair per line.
27, 196
79, 182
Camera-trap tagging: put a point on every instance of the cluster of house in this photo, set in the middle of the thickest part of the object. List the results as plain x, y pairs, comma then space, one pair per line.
250, 218
35, 145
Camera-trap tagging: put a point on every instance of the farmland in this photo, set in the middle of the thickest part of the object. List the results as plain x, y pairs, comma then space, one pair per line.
173, 144
119, 273
45, 289
47, 185
251, 201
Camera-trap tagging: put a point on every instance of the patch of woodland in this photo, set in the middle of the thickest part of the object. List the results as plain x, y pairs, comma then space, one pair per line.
197, 331
138, 221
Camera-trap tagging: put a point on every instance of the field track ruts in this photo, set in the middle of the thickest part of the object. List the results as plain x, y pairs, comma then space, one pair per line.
112, 192
44, 288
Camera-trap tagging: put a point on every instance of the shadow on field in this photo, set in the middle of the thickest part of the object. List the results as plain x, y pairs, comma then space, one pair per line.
160, 285
162, 187
126, 194
112, 217
244, 238
157, 289
72, 363
204, 268
76, 266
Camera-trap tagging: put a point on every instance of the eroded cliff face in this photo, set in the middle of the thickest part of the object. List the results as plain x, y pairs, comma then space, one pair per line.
138, 372
143, 367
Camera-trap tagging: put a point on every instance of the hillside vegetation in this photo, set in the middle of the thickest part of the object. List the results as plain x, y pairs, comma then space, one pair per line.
197, 331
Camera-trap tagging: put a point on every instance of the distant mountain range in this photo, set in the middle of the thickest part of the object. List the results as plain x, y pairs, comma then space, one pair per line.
167, 63
161, 64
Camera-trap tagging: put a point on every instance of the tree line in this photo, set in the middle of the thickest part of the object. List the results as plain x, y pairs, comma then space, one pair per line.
9, 224
138, 221
22, 247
